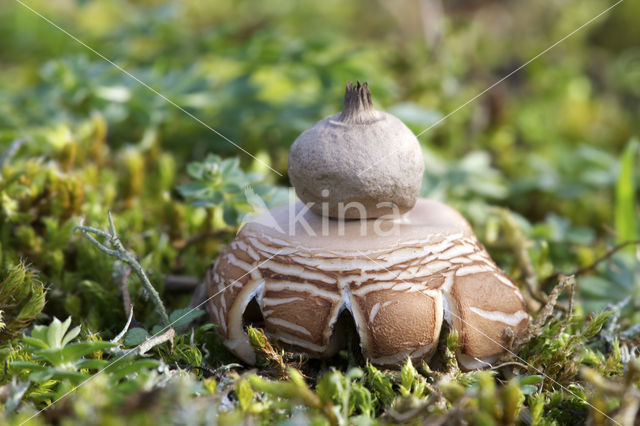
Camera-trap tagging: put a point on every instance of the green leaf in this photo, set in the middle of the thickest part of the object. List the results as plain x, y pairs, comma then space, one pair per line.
27, 365
41, 375
193, 189
381, 385
231, 188
35, 342
72, 334
39, 332
330, 387
157, 329
595, 325
229, 165
92, 364
230, 215
73, 376
244, 393
212, 159
136, 366
531, 380
626, 215
56, 331
51, 373
75, 351
408, 375
210, 198
528, 389
214, 198
184, 316
135, 336
195, 170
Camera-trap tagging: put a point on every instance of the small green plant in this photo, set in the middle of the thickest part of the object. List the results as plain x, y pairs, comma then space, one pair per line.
54, 357
52, 362
352, 400
120, 252
22, 297
221, 184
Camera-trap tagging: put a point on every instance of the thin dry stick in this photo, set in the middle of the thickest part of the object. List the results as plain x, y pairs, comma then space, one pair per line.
181, 282
167, 336
125, 329
120, 252
506, 363
124, 287
590, 268
572, 292
547, 310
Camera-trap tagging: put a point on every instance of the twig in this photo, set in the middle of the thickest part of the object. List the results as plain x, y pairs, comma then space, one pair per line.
589, 268
546, 311
180, 283
124, 287
572, 291
120, 252
147, 345
125, 329
504, 364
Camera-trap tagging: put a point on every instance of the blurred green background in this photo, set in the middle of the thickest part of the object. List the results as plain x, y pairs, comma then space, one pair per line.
544, 165
261, 72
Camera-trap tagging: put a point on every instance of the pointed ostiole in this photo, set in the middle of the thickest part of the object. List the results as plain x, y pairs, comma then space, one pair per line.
399, 287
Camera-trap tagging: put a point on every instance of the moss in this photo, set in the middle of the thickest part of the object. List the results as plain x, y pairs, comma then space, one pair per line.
541, 165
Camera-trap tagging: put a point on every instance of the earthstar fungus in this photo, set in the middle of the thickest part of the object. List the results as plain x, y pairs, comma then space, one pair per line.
399, 278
